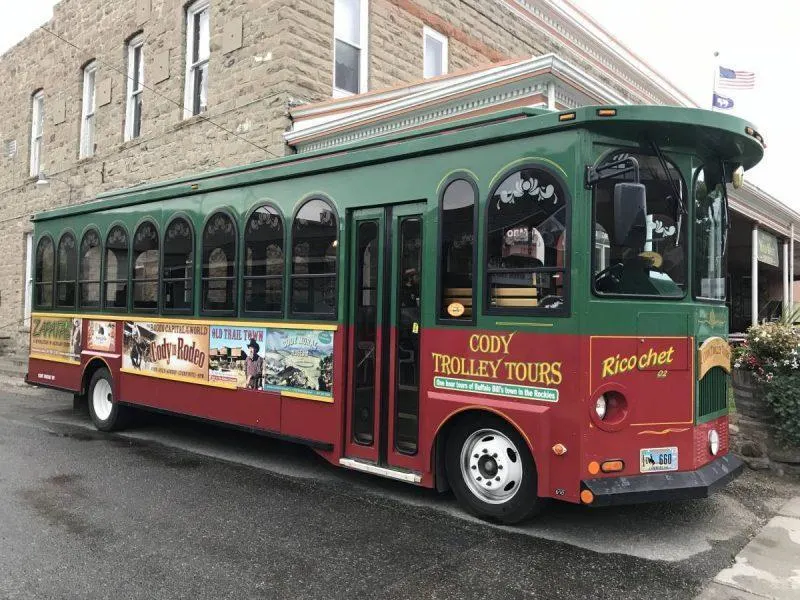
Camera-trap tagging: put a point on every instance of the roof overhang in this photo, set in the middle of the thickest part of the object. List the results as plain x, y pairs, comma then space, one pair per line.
542, 82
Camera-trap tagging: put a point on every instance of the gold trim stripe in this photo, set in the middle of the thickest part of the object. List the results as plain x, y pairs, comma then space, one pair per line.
53, 358
303, 396
184, 321
178, 378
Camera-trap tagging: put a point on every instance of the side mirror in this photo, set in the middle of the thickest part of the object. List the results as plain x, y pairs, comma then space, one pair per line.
630, 215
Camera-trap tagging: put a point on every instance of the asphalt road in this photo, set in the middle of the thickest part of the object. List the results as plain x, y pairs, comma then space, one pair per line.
174, 509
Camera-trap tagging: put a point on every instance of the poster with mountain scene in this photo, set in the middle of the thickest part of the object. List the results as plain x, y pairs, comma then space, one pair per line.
299, 360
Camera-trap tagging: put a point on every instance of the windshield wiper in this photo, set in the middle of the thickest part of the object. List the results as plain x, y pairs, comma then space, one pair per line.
680, 207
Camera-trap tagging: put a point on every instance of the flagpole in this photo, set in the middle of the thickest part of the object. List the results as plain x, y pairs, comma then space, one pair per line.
714, 79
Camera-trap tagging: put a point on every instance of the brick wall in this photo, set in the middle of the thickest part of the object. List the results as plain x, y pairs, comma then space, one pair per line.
286, 56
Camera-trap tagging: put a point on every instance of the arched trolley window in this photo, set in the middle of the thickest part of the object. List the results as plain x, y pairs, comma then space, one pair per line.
66, 271
314, 246
457, 251
219, 264
116, 269
527, 243
145, 267
178, 271
45, 263
263, 261
89, 270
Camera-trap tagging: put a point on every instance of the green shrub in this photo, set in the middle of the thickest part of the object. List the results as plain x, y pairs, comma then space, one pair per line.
783, 395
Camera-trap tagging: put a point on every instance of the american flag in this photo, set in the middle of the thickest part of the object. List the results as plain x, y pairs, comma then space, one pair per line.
736, 80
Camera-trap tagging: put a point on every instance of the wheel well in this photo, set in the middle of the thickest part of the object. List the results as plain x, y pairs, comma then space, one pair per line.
91, 367
440, 443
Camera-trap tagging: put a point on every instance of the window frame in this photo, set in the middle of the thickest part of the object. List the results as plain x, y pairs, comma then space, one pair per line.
429, 32
593, 213
244, 277
362, 47
99, 280
133, 96
88, 121
229, 212
725, 257
56, 304
290, 257
37, 132
470, 179
565, 311
127, 281
36, 281
132, 269
192, 278
191, 96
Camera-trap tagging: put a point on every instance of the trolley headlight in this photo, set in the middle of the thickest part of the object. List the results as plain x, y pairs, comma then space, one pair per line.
600, 406
713, 442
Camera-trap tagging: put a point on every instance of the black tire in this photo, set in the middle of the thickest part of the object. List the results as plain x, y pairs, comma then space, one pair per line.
105, 419
523, 501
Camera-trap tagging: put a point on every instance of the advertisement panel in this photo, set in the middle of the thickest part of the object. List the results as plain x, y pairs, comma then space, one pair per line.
56, 338
176, 351
101, 336
298, 361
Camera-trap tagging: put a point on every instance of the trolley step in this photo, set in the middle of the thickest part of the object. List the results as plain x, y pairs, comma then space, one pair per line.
366, 467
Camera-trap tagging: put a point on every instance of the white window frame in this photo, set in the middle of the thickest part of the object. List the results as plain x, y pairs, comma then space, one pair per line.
193, 67
133, 94
26, 314
363, 47
37, 131
88, 108
427, 32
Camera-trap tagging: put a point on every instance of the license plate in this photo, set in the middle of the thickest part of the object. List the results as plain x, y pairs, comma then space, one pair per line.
658, 459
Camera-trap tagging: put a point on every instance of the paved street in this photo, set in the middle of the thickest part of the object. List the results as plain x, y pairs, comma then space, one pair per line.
174, 509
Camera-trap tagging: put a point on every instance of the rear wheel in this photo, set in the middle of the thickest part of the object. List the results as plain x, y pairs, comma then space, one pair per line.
491, 470
107, 415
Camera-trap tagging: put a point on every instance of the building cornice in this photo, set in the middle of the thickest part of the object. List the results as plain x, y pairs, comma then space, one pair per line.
756, 204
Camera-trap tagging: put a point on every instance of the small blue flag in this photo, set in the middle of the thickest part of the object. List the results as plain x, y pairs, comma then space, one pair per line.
722, 102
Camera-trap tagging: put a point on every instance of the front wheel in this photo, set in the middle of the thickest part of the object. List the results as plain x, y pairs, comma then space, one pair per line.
107, 415
491, 471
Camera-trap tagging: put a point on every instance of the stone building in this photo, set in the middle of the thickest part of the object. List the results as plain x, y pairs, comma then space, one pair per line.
113, 94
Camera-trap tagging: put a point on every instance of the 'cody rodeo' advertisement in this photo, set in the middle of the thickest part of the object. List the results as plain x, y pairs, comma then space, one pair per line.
170, 350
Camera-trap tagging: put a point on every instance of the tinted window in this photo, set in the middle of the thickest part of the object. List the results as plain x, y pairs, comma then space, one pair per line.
145, 267
178, 266
219, 264
45, 259
116, 268
89, 277
314, 245
711, 232
526, 242
263, 268
457, 251
67, 270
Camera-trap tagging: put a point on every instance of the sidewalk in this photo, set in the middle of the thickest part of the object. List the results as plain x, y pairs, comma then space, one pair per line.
767, 567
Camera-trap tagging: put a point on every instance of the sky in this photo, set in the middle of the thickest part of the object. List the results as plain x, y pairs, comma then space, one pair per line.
677, 38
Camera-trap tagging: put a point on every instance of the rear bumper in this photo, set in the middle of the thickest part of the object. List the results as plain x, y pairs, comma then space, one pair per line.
658, 487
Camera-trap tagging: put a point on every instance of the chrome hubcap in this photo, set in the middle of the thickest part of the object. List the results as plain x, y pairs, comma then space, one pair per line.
101, 399
491, 466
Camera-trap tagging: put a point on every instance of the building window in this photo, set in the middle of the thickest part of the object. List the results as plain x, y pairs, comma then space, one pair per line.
219, 264
350, 47
37, 127
178, 266
198, 50
263, 276
434, 53
314, 246
457, 251
66, 271
89, 270
133, 109
43, 285
527, 231
145, 267
116, 269
87, 110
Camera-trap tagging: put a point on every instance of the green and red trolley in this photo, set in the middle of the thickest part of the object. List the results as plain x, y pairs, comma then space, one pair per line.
517, 306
